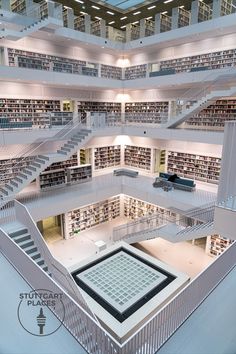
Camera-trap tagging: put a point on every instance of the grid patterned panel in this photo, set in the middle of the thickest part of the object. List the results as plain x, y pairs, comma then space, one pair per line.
121, 280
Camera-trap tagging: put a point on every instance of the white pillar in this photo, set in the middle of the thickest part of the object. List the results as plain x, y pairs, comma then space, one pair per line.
87, 22
216, 10
194, 12
175, 18
157, 23
142, 28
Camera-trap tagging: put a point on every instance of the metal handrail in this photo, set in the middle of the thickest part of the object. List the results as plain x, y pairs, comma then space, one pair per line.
32, 149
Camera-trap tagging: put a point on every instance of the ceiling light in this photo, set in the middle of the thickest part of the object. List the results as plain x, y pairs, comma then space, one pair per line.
96, 7
110, 13
111, 23
166, 2
123, 26
137, 12
83, 13
151, 7
148, 18
134, 23
164, 12
181, 7
80, 1
98, 18
123, 18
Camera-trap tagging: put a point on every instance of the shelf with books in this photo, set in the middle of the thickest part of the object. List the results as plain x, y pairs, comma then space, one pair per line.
199, 167
136, 72
11, 167
146, 112
79, 174
94, 106
137, 156
136, 208
89, 216
214, 116
107, 156
218, 244
111, 72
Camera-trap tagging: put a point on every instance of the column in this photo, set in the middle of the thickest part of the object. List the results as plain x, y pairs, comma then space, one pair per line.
70, 18
103, 28
142, 24
157, 23
87, 22
6, 5
175, 18
216, 10
194, 12
128, 32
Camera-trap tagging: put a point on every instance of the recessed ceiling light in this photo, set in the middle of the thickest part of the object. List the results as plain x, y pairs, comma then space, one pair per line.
166, 2
123, 26
181, 7
148, 18
80, 1
96, 7
111, 23
164, 12
123, 18
151, 7
110, 13
134, 23
83, 13
98, 18
137, 12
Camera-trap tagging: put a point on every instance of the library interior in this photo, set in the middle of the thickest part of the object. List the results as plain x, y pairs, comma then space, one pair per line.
117, 183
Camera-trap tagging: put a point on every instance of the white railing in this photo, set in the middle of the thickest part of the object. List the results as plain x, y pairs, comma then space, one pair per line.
58, 271
153, 334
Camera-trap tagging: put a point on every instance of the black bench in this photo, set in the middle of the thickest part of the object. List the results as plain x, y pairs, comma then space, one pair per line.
180, 183
125, 172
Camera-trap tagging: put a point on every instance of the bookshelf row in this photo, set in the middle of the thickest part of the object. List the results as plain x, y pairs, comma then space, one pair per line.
137, 156
113, 108
214, 116
40, 61
146, 112
136, 208
107, 156
218, 244
89, 216
11, 167
37, 113
197, 167
66, 175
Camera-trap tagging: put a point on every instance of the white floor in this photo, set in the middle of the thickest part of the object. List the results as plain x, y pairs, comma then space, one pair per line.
183, 256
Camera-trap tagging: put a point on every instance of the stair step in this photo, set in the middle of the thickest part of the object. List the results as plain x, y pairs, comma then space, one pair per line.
13, 183
23, 175
28, 172
18, 232
31, 168
65, 149
69, 146
40, 160
77, 140
40, 262
61, 152
21, 238
8, 187
18, 179
25, 244
45, 268
3, 191
35, 255
43, 157
36, 164
31, 249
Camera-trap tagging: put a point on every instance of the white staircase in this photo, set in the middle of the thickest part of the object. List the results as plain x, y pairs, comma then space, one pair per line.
41, 162
202, 103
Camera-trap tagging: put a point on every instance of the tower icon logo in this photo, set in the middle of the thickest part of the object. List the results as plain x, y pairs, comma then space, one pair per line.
37, 309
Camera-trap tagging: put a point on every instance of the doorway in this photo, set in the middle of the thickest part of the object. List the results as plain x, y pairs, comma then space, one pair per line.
51, 228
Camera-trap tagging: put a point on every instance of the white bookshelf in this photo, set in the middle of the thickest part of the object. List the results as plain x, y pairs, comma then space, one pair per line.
89, 216
217, 244
146, 112
111, 72
138, 156
11, 167
136, 208
136, 72
107, 156
199, 167
81, 173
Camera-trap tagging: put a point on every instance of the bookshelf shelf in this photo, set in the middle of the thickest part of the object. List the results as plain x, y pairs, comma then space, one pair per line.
137, 156
89, 216
111, 108
136, 72
199, 167
107, 156
146, 112
218, 244
111, 72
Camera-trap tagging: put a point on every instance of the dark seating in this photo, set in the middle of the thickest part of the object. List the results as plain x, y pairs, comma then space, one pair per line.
162, 72
125, 172
180, 183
